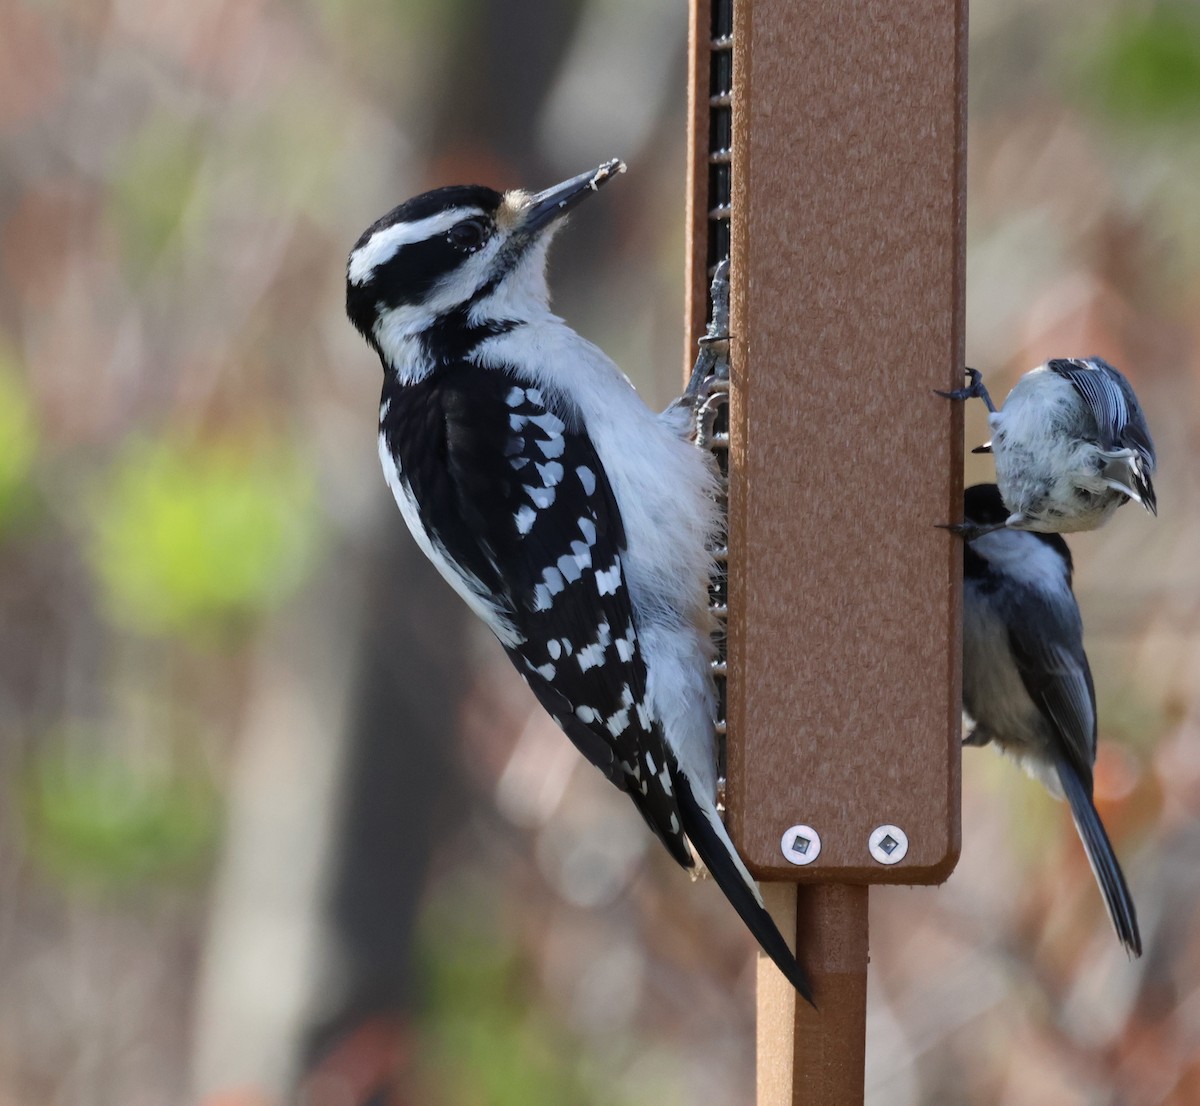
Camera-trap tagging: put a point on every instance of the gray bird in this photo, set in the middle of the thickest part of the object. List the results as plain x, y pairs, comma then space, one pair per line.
1071, 445
1027, 687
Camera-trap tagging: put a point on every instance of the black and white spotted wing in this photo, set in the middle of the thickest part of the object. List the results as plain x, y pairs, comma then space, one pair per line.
513, 495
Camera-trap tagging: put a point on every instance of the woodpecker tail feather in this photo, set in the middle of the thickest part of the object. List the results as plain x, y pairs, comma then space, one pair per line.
703, 826
1103, 860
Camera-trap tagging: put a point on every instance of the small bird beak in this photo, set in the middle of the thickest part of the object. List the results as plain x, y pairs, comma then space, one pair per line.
548, 206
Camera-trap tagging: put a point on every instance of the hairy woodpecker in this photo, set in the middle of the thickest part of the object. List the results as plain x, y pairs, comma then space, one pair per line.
570, 517
1071, 445
1027, 687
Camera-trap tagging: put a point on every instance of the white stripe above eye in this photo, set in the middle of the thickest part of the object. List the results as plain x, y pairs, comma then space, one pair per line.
382, 246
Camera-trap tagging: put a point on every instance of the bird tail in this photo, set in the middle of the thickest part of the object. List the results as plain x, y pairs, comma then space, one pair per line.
1102, 858
707, 834
1126, 471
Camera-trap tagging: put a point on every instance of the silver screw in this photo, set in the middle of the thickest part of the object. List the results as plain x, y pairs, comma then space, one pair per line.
801, 844
888, 844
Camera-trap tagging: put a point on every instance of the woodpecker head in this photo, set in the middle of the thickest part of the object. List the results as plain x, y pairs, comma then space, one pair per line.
464, 249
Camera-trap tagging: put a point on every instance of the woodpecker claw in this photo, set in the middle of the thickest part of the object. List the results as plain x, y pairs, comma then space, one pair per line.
718, 326
713, 358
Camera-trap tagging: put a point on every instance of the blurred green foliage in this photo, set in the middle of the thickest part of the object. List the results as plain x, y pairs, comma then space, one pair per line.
395, 45
197, 539
1145, 67
18, 438
156, 190
285, 147
96, 823
489, 1037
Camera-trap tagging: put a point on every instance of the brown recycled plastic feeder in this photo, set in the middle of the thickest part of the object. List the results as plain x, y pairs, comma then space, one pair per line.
827, 154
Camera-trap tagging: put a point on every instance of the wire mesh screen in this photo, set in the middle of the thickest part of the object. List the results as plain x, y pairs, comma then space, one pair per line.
718, 203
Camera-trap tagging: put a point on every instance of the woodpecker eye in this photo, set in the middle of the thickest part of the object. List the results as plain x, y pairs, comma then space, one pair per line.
468, 236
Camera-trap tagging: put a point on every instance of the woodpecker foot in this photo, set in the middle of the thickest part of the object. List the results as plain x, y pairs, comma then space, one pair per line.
713, 358
718, 324
974, 390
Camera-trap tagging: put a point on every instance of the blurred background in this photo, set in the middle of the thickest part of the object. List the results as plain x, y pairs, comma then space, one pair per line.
276, 820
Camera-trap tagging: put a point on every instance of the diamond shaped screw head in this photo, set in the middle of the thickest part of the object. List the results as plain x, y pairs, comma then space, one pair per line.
888, 844
800, 844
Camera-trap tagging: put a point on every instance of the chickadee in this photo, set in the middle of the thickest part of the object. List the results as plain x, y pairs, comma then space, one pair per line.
1026, 682
1071, 445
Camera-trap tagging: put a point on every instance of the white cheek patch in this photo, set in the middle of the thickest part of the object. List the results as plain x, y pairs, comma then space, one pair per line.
522, 291
397, 326
383, 245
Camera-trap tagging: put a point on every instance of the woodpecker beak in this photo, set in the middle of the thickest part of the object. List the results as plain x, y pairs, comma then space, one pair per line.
548, 206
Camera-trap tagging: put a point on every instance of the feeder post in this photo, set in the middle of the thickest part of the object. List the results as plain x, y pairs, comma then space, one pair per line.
846, 169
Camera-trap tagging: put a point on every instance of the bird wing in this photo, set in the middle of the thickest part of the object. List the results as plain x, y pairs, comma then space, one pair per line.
1122, 426
1111, 400
1046, 636
523, 519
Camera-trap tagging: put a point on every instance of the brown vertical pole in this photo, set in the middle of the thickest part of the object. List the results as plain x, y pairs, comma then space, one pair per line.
847, 248
812, 1056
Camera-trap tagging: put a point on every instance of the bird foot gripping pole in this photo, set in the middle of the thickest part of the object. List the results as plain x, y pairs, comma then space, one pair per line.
975, 390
